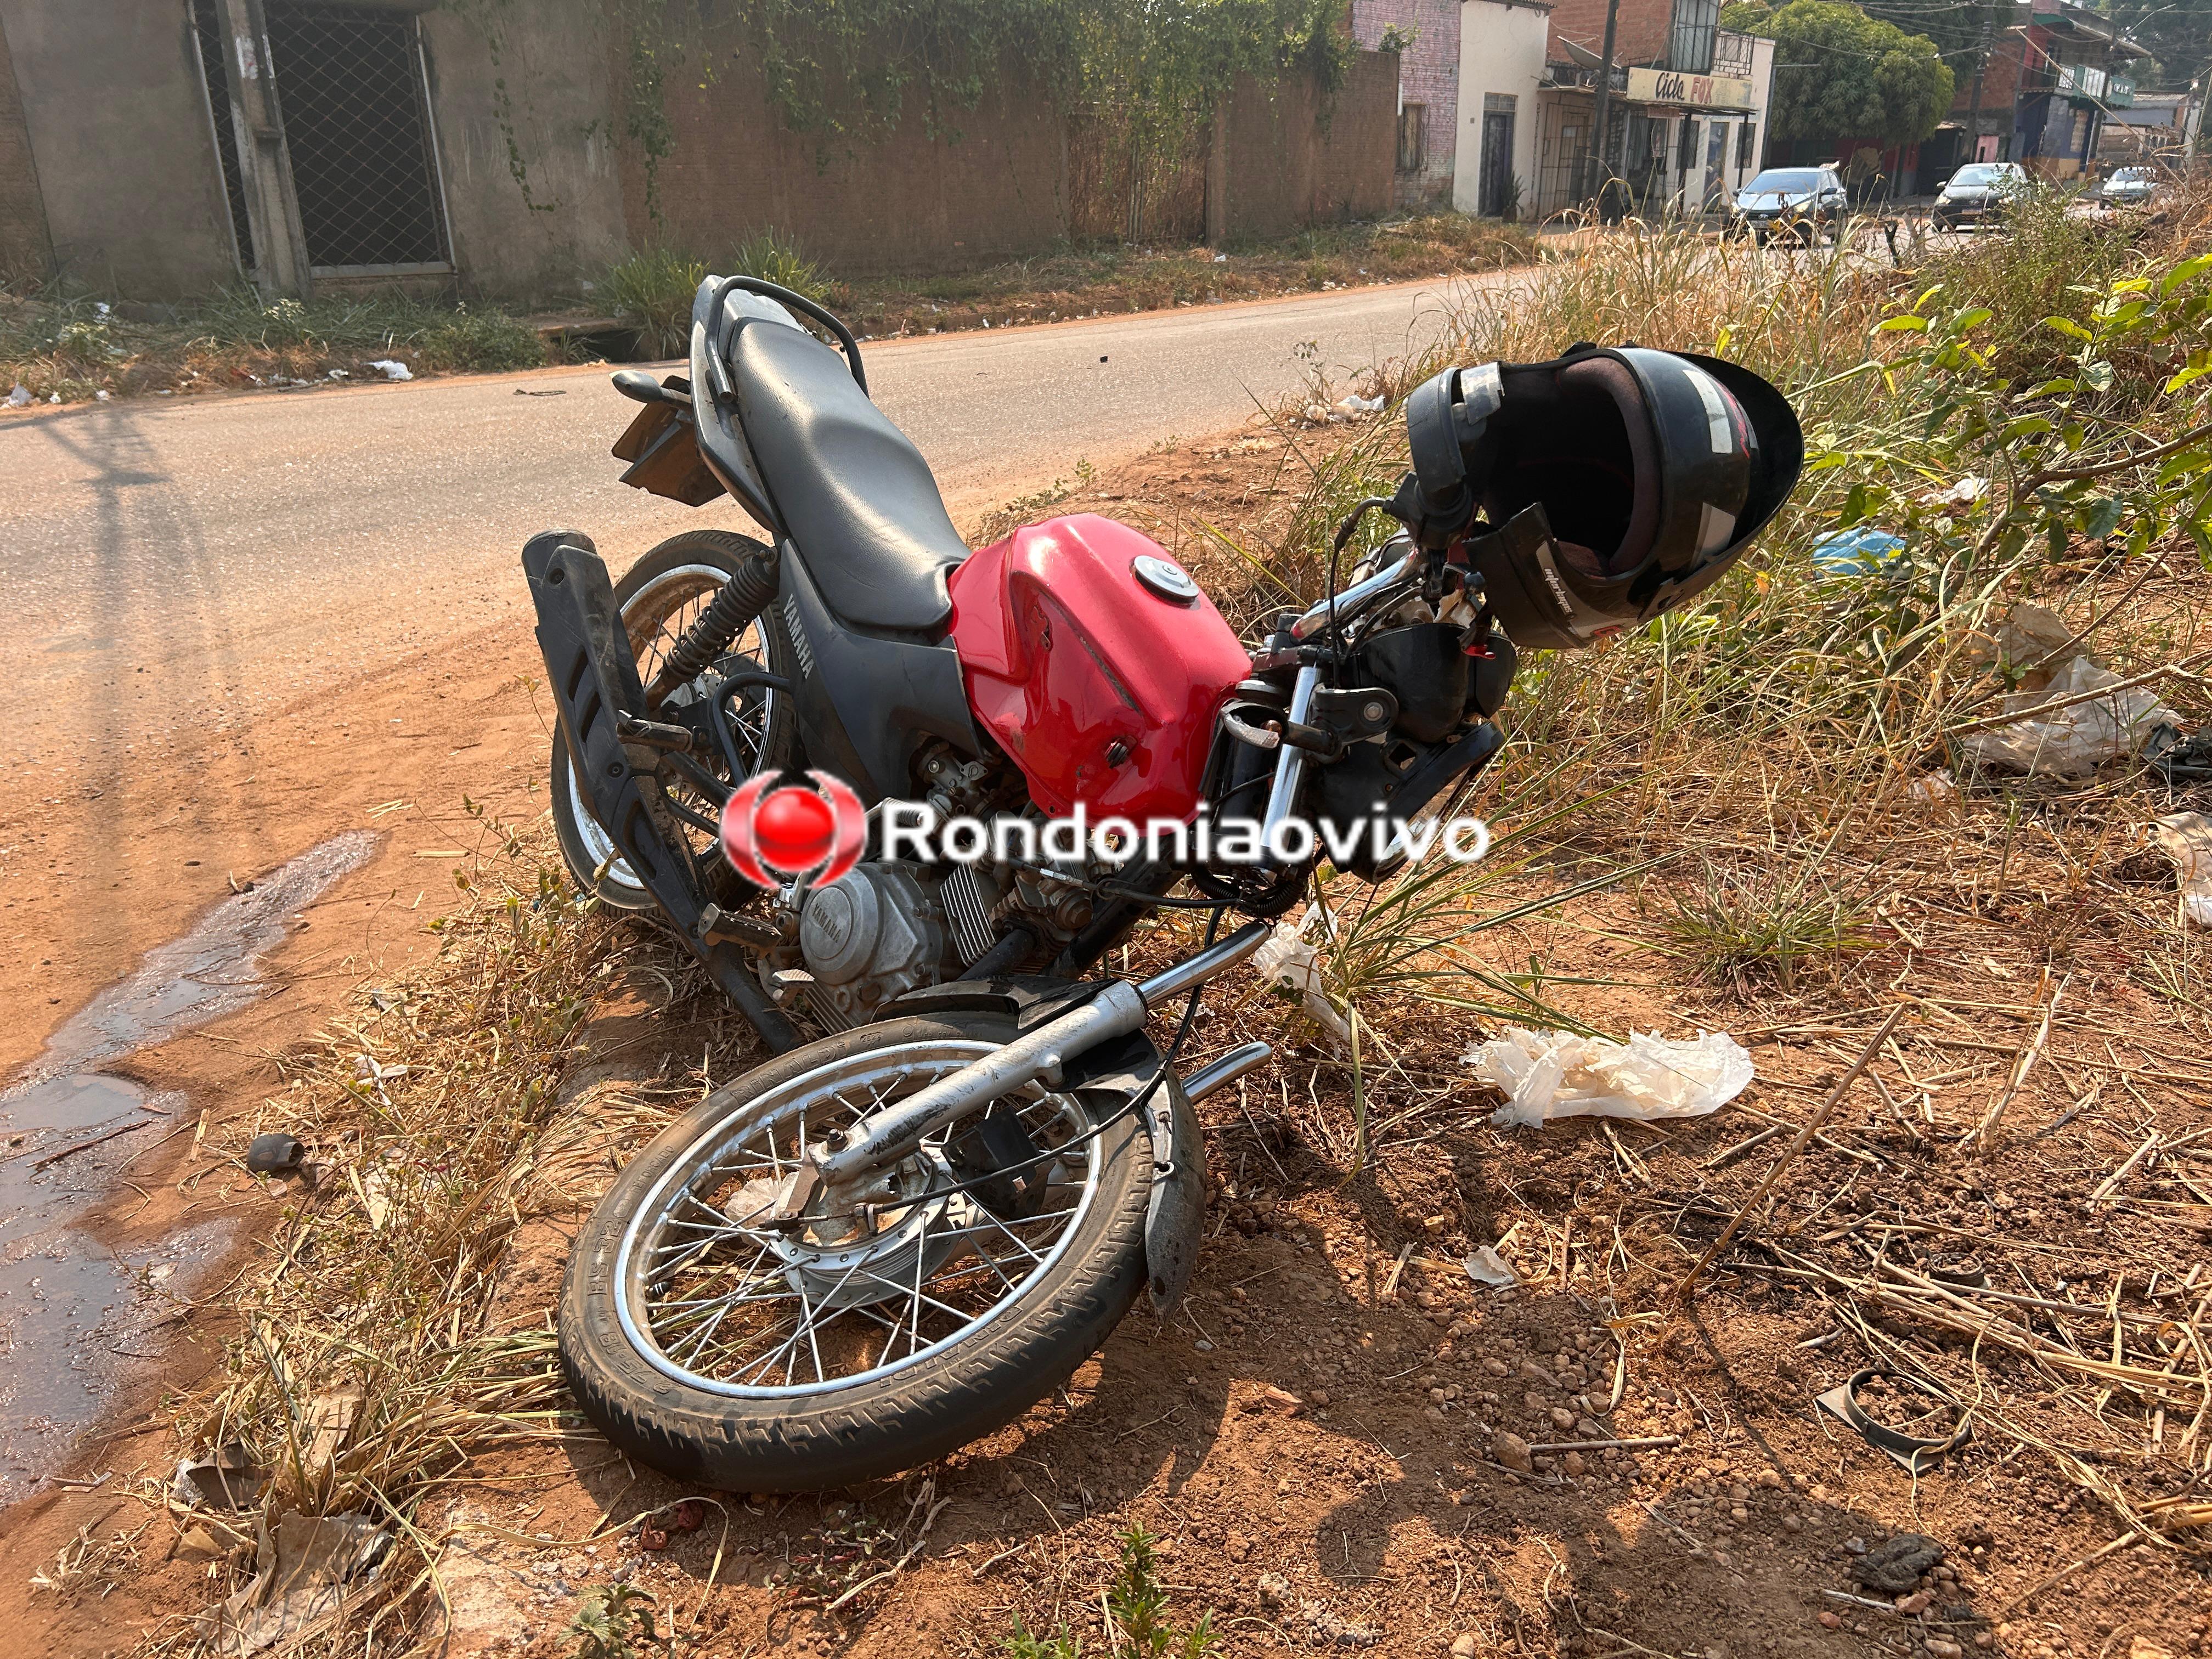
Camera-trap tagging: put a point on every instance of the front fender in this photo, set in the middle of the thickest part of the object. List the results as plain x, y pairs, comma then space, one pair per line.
1174, 1219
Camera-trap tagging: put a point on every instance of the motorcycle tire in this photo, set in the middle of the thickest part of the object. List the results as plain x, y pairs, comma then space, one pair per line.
680, 577
819, 1432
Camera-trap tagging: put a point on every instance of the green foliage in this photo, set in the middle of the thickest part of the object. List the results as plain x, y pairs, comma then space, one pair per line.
613, 1623
1841, 74
1137, 1602
651, 291
2179, 33
2065, 446
773, 257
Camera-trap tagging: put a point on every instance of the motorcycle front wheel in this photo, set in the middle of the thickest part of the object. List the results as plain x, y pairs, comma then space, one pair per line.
659, 596
755, 1359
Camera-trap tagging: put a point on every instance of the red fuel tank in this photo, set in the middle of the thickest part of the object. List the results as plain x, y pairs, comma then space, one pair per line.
1097, 664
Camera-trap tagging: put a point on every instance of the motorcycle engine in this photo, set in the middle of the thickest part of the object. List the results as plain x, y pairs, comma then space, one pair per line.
874, 935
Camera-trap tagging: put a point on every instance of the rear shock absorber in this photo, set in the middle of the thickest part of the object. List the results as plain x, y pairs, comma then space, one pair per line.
742, 598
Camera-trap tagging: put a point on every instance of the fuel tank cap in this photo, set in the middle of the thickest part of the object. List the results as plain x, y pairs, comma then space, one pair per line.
1165, 578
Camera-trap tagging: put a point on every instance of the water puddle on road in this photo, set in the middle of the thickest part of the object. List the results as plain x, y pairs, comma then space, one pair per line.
78, 1317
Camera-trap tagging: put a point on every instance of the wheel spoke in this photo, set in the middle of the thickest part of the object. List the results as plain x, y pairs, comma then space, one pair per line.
736, 1307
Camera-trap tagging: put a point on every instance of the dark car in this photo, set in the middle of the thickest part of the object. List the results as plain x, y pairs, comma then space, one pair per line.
1795, 202
1978, 193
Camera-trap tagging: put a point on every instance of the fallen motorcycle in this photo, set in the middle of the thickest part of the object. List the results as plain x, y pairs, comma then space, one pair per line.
889, 1240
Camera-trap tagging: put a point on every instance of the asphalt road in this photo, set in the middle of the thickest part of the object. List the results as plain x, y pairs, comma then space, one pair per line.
181, 562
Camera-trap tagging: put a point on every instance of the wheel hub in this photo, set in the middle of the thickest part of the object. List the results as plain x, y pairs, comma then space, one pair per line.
849, 1260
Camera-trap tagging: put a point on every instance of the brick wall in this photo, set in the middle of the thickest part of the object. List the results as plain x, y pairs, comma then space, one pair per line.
1287, 166
1428, 75
907, 203
25, 251
1639, 35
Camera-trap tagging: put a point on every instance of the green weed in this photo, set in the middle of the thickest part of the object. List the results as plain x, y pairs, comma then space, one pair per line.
772, 257
651, 291
1137, 1604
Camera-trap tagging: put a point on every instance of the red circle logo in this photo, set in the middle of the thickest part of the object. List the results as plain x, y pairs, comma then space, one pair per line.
790, 831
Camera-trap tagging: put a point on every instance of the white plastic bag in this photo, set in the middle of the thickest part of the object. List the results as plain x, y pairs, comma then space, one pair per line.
2074, 740
2186, 838
1287, 959
1549, 1074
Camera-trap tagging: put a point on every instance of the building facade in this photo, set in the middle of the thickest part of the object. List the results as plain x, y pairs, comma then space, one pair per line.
1501, 71
2158, 128
156, 150
2052, 76
1688, 104
1425, 33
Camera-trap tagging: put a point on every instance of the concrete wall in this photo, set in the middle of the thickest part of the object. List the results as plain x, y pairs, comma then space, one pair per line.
909, 202
24, 251
1291, 161
1428, 75
125, 159
556, 63
1502, 49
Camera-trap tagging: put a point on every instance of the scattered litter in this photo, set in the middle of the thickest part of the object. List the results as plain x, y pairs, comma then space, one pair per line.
230, 1479
392, 368
209, 1541
2180, 760
1934, 788
1486, 1266
340, 374
1552, 1074
274, 1153
1968, 490
2074, 738
2186, 838
303, 1572
1914, 1454
1352, 406
1221, 258
1895, 1567
1287, 959
330, 1420
101, 396
1862, 552
20, 395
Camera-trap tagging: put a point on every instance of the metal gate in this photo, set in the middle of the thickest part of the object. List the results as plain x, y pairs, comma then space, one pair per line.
348, 89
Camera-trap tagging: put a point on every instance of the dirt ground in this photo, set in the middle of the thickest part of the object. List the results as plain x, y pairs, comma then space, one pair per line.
1318, 1435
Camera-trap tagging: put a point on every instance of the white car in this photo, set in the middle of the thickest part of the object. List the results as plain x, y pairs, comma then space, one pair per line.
1799, 202
2129, 187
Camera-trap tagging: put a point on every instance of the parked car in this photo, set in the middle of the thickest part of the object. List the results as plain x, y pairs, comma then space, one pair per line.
2129, 187
1977, 194
1796, 201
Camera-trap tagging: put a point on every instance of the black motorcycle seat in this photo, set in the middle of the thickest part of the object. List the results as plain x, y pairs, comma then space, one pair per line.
854, 492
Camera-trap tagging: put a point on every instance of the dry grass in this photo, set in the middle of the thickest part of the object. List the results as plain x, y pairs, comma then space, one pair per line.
1716, 824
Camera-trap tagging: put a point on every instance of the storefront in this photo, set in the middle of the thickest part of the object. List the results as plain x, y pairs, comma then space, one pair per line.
1680, 143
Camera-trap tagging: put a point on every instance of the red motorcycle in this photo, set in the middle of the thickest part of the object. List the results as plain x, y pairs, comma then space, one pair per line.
889, 1240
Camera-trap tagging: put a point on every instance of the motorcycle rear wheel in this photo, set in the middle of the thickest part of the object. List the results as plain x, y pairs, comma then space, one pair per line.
660, 596
760, 1360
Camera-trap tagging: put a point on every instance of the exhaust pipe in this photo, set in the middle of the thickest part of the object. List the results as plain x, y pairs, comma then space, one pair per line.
1239, 1061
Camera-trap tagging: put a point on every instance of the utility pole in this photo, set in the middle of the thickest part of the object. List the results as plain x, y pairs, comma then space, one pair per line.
1981, 64
1605, 100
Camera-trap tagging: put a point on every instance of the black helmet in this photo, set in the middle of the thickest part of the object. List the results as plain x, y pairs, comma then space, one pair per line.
1614, 484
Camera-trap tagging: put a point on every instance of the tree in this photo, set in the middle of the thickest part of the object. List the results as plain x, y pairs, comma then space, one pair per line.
1841, 74
2178, 34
